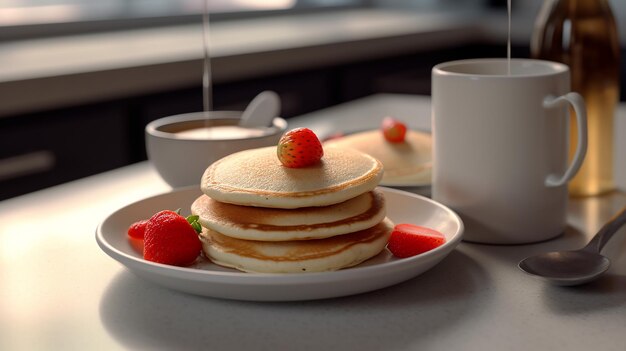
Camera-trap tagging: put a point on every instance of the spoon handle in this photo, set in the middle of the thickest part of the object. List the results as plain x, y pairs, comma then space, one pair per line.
606, 232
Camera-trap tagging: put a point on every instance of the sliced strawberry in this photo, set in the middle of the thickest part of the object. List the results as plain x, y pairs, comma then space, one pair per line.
409, 240
298, 148
137, 229
171, 239
393, 130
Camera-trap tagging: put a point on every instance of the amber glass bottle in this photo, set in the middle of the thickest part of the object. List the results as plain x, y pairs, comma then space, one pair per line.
583, 35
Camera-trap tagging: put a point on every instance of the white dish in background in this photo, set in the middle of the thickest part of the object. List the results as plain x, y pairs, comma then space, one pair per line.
404, 185
208, 279
422, 170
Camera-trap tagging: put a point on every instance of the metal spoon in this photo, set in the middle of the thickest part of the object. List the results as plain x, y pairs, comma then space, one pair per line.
575, 267
261, 111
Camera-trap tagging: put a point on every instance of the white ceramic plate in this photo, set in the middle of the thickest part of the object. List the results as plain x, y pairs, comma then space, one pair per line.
208, 279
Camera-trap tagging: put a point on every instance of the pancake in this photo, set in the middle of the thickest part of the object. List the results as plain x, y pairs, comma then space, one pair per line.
318, 255
271, 224
406, 164
257, 178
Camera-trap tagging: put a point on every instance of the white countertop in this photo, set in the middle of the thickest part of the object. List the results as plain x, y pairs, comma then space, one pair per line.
58, 291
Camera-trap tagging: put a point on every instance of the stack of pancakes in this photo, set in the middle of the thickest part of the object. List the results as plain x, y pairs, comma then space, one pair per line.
260, 216
408, 163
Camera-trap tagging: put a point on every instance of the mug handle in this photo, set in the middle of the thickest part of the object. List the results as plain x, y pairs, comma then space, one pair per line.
577, 102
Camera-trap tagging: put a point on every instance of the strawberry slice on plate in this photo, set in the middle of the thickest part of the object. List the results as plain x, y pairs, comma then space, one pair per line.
137, 229
410, 240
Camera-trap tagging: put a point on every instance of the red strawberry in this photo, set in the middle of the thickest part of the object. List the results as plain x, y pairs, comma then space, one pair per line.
393, 130
172, 239
137, 229
298, 148
409, 240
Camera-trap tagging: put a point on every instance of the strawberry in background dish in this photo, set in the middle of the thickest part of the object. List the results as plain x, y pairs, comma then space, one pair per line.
393, 130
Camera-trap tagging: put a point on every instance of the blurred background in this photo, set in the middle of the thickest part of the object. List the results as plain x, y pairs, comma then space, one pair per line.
79, 79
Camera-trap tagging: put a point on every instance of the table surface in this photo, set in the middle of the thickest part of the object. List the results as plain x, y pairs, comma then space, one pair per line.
58, 290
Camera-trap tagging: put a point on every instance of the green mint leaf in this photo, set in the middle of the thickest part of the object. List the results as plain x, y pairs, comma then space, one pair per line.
197, 227
193, 220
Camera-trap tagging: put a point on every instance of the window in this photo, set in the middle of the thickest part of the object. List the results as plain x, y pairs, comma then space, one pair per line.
37, 12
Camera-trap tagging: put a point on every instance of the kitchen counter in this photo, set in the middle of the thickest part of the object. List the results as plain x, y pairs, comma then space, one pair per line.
59, 291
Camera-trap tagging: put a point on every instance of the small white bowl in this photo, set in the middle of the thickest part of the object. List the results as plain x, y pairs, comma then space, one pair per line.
182, 159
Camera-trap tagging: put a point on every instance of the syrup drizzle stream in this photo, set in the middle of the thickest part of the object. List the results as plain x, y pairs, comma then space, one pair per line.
508, 46
207, 87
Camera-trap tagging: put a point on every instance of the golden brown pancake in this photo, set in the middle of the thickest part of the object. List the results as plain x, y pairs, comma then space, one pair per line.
271, 224
299, 256
257, 178
406, 164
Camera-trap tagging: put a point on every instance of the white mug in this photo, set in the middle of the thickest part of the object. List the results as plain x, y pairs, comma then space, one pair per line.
500, 153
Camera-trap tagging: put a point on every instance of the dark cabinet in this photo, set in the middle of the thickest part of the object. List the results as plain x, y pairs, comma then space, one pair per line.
40, 150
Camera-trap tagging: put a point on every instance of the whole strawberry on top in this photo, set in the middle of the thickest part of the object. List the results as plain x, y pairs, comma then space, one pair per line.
170, 238
393, 130
299, 148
